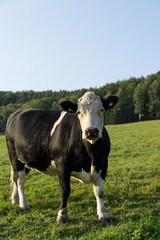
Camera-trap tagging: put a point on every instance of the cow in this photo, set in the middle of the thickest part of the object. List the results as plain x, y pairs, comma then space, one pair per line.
69, 142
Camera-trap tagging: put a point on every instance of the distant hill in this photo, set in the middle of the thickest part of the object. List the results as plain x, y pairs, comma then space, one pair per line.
139, 99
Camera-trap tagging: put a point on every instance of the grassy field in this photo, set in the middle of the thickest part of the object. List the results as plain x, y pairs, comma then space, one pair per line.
132, 194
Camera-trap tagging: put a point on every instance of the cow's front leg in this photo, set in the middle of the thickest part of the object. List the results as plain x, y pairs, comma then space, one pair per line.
98, 192
64, 179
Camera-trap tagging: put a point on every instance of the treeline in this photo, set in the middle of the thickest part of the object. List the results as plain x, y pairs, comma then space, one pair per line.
139, 99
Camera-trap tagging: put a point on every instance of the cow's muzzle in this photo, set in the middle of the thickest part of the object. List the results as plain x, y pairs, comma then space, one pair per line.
92, 133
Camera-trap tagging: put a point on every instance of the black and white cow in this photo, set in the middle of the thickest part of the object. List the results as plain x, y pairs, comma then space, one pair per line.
72, 142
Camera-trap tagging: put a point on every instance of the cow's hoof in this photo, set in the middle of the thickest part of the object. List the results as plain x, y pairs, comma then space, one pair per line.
63, 220
62, 217
105, 219
24, 206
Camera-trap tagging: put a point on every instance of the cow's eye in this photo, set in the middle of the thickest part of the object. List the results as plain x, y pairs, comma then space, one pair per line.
80, 113
102, 109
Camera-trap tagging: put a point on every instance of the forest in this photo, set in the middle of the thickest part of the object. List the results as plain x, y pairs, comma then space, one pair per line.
139, 100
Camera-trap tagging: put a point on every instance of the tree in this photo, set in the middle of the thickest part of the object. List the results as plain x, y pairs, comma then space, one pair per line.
42, 103
5, 111
154, 96
8, 98
139, 98
139, 101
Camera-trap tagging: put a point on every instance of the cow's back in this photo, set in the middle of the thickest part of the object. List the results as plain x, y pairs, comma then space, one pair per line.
31, 122
28, 132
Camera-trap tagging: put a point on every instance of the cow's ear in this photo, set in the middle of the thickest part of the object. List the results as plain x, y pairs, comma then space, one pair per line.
69, 106
110, 102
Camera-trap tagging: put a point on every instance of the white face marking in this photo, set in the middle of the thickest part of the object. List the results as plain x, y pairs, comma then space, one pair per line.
58, 122
85, 177
90, 114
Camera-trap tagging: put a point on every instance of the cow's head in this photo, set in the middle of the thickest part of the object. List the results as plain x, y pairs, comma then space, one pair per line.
90, 109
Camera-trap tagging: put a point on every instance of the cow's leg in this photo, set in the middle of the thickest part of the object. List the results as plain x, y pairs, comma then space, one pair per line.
18, 173
14, 196
64, 179
98, 192
20, 185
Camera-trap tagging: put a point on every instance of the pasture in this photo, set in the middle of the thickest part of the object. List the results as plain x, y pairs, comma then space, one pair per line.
132, 194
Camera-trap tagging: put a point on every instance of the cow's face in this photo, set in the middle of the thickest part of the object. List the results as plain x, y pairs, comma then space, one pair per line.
90, 113
90, 109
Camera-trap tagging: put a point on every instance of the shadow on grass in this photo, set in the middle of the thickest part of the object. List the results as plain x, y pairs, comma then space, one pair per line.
79, 228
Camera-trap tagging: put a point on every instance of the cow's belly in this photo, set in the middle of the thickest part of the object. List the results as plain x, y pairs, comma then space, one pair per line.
82, 176
50, 170
85, 177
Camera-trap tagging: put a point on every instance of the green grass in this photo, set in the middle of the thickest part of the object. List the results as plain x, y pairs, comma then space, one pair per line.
132, 194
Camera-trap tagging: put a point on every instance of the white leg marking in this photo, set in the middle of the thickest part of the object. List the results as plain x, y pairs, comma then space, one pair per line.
58, 122
14, 196
20, 183
98, 192
62, 216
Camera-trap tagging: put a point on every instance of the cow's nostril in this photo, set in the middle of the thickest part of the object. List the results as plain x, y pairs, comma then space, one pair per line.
87, 132
92, 132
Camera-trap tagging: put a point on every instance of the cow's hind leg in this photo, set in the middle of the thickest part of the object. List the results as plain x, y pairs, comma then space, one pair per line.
14, 196
18, 173
20, 184
98, 192
18, 181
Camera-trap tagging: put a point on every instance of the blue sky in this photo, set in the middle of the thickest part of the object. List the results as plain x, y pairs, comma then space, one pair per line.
73, 44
